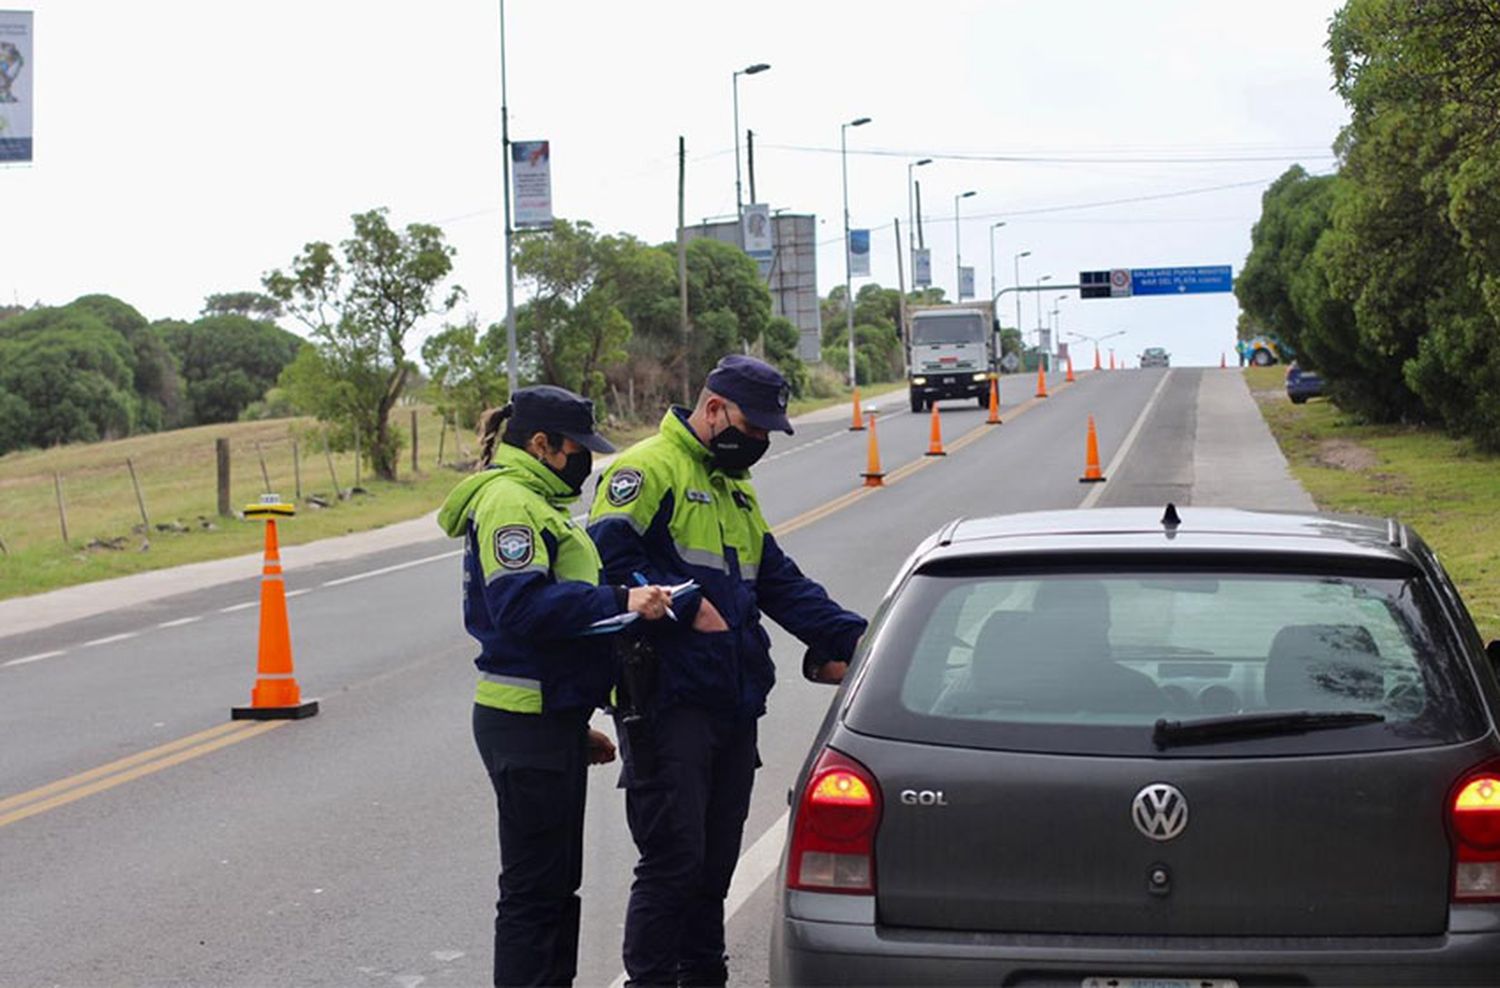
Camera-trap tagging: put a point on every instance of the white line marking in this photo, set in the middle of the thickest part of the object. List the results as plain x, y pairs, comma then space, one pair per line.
297, 593
238, 607
180, 622
391, 569
1119, 457
753, 868
31, 658
110, 638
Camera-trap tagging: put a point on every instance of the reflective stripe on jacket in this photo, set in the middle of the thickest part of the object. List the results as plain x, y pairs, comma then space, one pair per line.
663, 511
531, 585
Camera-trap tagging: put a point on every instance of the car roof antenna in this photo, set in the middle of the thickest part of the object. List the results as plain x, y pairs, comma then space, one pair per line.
1169, 518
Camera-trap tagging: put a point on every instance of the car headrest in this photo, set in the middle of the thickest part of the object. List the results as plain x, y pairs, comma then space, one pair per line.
1081, 599
1323, 666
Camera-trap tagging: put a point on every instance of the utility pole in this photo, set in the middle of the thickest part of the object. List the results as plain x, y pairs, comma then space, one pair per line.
510, 281
682, 292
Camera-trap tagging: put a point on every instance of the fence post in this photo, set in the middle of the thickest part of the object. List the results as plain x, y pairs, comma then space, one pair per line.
297, 470
414, 442
338, 495
357, 464
442, 437
62, 509
221, 447
264, 475
140, 500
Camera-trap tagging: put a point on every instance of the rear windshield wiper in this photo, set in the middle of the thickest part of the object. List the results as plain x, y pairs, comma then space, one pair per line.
1209, 729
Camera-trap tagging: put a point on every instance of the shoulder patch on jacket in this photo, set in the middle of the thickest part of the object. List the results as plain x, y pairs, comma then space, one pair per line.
624, 486
515, 546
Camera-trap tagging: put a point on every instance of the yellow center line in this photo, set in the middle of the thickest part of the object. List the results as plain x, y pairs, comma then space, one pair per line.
127, 769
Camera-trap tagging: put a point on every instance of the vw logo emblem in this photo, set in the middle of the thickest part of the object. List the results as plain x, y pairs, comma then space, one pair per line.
1160, 811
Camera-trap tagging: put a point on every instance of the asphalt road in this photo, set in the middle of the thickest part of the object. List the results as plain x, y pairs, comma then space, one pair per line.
144, 839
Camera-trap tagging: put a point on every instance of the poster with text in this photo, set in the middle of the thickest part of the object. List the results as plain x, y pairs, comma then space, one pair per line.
16, 73
531, 180
965, 283
921, 267
859, 253
758, 241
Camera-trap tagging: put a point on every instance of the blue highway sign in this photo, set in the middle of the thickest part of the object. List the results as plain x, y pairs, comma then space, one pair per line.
1180, 281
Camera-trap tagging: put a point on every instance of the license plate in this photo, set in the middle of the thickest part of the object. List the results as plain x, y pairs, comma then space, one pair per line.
1160, 983
949, 380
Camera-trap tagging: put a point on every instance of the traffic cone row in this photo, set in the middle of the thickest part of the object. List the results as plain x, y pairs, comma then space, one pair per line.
276, 695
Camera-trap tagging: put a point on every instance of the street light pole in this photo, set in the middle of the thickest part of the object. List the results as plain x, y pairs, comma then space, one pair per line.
510, 277
911, 217
1024, 253
848, 271
958, 254
993, 228
739, 202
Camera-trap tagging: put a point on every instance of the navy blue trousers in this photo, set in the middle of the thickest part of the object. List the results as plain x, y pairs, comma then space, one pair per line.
686, 818
538, 764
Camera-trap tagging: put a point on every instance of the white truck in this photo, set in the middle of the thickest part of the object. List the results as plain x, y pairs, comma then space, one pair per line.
951, 353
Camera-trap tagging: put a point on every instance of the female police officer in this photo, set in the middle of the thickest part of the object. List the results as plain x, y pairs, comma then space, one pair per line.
531, 588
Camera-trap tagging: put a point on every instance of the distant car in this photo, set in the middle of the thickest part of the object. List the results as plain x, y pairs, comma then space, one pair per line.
1302, 384
1126, 747
1155, 356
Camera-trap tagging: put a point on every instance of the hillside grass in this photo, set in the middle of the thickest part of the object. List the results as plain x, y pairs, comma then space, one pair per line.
1444, 488
177, 472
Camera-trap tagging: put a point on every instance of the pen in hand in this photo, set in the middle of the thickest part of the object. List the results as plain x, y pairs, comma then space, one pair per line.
641, 580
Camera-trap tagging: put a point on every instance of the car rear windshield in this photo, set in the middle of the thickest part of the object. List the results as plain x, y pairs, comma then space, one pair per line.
965, 327
1091, 662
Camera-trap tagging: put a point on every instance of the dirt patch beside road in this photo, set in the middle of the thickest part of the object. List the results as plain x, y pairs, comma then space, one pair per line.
1344, 455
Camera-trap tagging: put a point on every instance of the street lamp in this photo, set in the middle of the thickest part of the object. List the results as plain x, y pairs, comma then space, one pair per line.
848, 272
958, 256
911, 216
1024, 253
739, 207
1045, 277
993, 228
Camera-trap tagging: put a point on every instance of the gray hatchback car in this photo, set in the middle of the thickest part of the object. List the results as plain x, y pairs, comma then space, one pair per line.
1131, 748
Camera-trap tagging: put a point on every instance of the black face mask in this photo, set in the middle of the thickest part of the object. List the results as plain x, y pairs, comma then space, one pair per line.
576, 470
733, 450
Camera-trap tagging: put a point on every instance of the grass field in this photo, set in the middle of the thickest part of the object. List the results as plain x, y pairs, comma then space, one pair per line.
1441, 486
177, 474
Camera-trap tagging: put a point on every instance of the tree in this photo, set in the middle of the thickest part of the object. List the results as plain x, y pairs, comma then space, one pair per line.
465, 378
360, 307
251, 305
67, 378
228, 362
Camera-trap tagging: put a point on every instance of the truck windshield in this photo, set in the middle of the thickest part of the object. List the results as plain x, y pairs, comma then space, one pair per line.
966, 327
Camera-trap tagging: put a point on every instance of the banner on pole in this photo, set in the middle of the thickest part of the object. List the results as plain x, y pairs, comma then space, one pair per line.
531, 180
15, 85
756, 232
859, 253
921, 267
965, 283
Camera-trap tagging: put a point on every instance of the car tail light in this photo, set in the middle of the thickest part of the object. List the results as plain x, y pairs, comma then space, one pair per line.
833, 839
1474, 818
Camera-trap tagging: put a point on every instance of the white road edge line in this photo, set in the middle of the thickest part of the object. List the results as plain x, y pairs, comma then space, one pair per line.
238, 607
110, 638
32, 658
1135, 430
391, 569
180, 622
297, 593
753, 868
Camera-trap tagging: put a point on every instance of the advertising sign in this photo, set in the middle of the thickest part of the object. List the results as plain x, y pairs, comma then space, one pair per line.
921, 267
859, 253
965, 283
756, 232
16, 73
531, 181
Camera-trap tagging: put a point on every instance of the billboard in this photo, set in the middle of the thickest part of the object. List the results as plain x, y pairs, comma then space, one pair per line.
921, 267
16, 74
759, 243
531, 181
791, 274
965, 283
859, 253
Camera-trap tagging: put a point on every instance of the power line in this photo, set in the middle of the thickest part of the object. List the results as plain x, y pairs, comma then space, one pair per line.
1056, 159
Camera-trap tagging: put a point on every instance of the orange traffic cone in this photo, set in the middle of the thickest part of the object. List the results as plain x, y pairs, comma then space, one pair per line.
1091, 474
1111, 360
855, 424
935, 444
276, 695
1041, 380
1222, 362
1070, 378
1096, 358
994, 418
874, 476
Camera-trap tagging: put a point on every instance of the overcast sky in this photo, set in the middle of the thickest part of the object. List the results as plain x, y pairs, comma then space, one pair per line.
185, 148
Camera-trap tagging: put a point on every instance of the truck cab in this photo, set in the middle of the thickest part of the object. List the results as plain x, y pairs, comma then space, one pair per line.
951, 355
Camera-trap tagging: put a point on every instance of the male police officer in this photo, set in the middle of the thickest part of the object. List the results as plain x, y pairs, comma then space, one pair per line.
675, 507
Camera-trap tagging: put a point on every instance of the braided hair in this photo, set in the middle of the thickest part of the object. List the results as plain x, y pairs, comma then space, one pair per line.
497, 425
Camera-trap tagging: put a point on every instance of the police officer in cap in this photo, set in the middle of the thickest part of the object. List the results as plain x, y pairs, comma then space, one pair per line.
531, 588
680, 506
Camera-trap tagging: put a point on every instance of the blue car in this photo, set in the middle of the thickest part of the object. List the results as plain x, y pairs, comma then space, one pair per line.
1302, 384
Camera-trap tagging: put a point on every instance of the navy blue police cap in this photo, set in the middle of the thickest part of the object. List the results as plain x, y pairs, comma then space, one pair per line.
756, 387
545, 408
